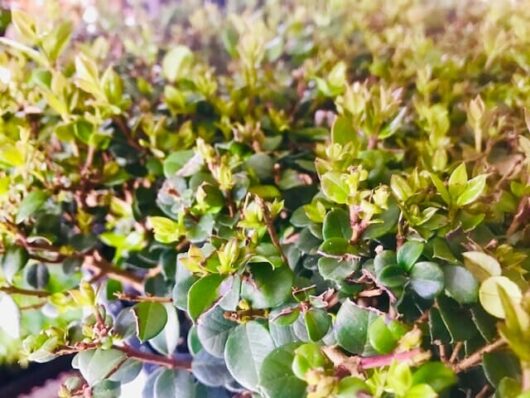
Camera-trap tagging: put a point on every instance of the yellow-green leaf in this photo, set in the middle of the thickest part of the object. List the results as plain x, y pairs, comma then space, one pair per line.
490, 298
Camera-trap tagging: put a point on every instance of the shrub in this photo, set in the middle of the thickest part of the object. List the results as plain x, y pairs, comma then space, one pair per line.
322, 199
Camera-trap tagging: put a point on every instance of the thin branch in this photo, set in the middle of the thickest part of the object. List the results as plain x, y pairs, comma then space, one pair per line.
356, 364
522, 212
270, 228
102, 267
24, 292
454, 355
168, 362
35, 306
475, 358
88, 162
139, 298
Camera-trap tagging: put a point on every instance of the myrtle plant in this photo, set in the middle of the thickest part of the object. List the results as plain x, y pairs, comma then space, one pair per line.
283, 199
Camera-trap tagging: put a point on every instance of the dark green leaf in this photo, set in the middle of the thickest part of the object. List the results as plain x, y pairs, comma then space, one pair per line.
151, 317
408, 254
427, 279
30, 204
460, 284
213, 329
246, 348
96, 365
351, 326
317, 323
276, 376
337, 225
336, 269
436, 374
167, 340
267, 287
203, 294
14, 259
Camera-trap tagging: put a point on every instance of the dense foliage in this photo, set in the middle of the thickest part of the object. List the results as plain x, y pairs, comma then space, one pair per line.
306, 198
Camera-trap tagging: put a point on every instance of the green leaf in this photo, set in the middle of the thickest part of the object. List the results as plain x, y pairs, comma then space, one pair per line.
317, 323
387, 223
13, 260
335, 247
30, 204
510, 388
400, 187
441, 188
97, 365
25, 25
127, 372
334, 187
474, 188
203, 294
210, 370
457, 181
10, 316
174, 163
351, 326
442, 251
336, 269
167, 340
435, 374
337, 225
246, 348
174, 384
177, 63
213, 330
166, 230
501, 364
456, 319
151, 317
399, 377
351, 387
481, 265
484, 322
342, 131
427, 279
262, 165
392, 277
408, 254
490, 298
267, 287
460, 284
380, 336
308, 356
56, 41
38, 276
421, 391
276, 376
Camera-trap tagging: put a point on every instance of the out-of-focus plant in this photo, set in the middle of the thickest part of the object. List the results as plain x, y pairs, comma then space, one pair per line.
322, 199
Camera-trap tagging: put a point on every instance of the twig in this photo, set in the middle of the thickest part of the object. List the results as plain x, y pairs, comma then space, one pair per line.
520, 216
122, 125
356, 364
35, 306
88, 162
456, 351
484, 392
168, 362
475, 358
139, 298
102, 267
24, 292
270, 228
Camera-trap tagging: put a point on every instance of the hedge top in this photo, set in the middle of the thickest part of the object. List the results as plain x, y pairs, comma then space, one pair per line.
321, 199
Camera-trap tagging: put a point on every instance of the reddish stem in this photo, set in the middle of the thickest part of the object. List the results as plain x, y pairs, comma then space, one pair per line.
154, 359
